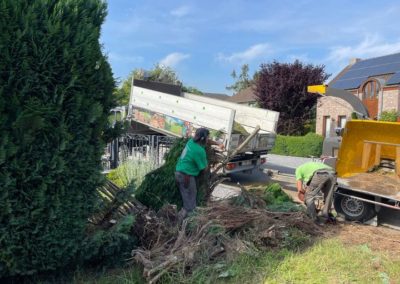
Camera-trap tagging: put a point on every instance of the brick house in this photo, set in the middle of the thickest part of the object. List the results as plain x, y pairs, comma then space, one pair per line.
375, 81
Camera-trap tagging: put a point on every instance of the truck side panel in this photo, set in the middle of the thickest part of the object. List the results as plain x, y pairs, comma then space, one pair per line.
247, 116
201, 114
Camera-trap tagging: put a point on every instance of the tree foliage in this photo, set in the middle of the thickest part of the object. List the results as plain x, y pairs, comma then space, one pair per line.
159, 73
282, 87
242, 82
192, 90
55, 95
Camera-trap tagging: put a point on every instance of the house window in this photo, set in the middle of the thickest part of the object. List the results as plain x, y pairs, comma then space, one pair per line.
371, 90
327, 126
342, 119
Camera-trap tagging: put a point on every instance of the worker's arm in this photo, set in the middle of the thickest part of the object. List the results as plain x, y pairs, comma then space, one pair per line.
299, 186
212, 142
300, 190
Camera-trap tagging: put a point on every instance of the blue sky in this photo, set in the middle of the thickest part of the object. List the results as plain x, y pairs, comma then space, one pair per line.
205, 40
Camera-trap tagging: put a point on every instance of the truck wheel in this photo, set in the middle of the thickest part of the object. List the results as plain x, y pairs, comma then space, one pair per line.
353, 209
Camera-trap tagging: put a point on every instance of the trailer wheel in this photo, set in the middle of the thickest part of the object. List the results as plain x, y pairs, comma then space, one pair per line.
353, 209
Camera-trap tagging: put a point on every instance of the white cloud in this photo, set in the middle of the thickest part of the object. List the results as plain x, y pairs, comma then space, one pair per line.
180, 11
173, 59
371, 46
125, 58
253, 52
304, 58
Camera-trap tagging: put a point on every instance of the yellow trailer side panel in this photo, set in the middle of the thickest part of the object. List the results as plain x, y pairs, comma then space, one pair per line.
359, 149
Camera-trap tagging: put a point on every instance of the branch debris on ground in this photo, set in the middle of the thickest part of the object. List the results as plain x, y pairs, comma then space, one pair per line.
221, 230
253, 221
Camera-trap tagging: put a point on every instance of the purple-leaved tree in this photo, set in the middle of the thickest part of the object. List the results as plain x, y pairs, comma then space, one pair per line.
282, 87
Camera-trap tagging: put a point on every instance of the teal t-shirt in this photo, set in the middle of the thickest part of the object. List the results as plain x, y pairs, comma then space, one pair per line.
192, 160
306, 171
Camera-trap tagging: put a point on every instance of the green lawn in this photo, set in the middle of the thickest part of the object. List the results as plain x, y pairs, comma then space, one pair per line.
327, 261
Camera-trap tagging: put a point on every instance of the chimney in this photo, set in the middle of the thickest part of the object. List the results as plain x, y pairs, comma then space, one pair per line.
354, 61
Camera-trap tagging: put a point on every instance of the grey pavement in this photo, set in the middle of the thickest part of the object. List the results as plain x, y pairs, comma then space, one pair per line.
284, 164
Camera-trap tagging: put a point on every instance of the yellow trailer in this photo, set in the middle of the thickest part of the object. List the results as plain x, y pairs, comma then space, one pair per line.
367, 164
368, 169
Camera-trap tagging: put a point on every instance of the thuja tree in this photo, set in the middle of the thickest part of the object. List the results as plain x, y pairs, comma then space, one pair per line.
55, 93
283, 87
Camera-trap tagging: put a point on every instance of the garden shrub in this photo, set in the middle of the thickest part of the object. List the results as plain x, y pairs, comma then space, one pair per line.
389, 115
108, 248
55, 95
299, 146
132, 172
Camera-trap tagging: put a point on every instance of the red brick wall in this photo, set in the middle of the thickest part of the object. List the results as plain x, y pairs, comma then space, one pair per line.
333, 107
391, 99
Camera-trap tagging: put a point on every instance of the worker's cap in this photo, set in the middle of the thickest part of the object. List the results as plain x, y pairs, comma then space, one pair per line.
201, 134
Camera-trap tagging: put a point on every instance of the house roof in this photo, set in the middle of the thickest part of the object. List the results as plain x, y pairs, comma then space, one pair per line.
223, 97
360, 71
244, 96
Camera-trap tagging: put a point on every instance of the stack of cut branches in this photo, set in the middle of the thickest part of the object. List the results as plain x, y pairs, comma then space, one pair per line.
220, 230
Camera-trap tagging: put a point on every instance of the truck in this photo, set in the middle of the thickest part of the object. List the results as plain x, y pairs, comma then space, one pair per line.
367, 162
164, 108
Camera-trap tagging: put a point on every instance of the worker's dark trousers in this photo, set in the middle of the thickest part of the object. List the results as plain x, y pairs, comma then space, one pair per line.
188, 190
324, 181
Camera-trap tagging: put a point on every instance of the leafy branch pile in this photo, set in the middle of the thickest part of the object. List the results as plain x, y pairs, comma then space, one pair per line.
219, 231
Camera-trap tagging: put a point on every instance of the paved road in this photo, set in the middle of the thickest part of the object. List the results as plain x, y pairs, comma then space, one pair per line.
284, 164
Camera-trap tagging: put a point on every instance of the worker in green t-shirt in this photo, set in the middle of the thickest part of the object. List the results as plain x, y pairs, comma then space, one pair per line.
192, 161
313, 178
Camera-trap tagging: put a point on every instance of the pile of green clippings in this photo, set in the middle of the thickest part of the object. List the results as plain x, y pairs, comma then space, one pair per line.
276, 199
159, 188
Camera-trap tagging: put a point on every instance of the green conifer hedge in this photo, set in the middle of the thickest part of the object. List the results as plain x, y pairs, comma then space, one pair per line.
55, 94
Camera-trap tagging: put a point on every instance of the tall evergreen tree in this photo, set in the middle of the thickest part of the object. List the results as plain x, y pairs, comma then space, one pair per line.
55, 94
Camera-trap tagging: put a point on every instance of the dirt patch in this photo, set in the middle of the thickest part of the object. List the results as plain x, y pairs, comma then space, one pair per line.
379, 239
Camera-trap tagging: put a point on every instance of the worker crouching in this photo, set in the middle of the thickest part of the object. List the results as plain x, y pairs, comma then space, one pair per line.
312, 179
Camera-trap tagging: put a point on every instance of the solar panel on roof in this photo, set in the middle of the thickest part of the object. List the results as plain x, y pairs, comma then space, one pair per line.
378, 60
361, 70
351, 83
395, 79
374, 70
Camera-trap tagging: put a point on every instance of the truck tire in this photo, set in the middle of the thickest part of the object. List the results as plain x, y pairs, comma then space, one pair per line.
353, 209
